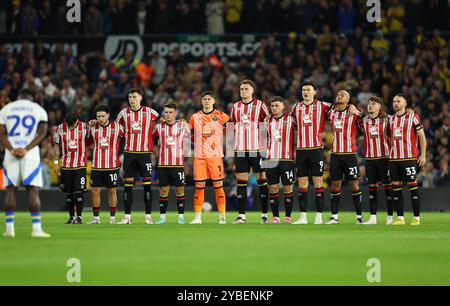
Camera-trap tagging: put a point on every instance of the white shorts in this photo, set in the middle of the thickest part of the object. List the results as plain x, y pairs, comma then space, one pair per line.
25, 171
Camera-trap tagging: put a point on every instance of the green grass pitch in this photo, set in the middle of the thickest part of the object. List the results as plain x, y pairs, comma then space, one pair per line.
212, 254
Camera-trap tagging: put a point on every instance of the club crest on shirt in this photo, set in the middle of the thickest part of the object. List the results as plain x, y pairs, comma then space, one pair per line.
72, 144
373, 130
338, 124
245, 118
103, 141
135, 126
277, 134
307, 119
398, 133
170, 141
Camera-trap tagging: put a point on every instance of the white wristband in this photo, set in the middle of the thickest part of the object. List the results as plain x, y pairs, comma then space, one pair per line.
56, 162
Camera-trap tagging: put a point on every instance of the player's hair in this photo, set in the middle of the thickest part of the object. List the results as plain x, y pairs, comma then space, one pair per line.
248, 82
277, 99
401, 96
376, 100
209, 93
308, 83
71, 118
137, 90
170, 105
26, 93
102, 108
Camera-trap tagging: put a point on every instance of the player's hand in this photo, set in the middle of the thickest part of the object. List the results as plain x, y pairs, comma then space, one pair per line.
422, 160
352, 110
19, 153
92, 122
57, 169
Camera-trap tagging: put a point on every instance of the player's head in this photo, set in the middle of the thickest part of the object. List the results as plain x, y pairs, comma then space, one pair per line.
170, 111
135, 97
277, 105
399, 103
102, 114
308, 91
247, 89
26, 94
71, 119
343, 97
208, 99
374, 105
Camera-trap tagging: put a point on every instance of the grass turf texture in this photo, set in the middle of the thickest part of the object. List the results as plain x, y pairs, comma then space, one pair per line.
212, 254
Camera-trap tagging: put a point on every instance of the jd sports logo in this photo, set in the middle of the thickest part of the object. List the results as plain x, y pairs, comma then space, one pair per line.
116, 46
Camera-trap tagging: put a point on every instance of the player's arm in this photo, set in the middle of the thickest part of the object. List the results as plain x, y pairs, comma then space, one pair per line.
423, 148
5, 142
56, 155
41, 134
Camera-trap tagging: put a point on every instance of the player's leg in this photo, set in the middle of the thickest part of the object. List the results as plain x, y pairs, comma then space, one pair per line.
112, 202
397, 190
130, 168
30, 168
220, 200
352, 176
145, 169
373, 179
336, 173
286, 173
242, 164
164, 178
66, 187
259, 170
181, 199
200, 177
387, 186
411, 170
96, 200
11, 171
10, 207
317, 177
274, 200
216, 173
303, 171
34, 205
79, 181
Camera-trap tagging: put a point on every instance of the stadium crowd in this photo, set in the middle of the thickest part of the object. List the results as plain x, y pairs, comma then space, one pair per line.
328, 43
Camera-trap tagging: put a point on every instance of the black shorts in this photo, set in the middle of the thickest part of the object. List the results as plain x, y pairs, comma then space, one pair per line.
171, 176
137, 164
344, 164
246, 160
280, 169
73, 180
403, 170
377, 170
104, 178
309, 162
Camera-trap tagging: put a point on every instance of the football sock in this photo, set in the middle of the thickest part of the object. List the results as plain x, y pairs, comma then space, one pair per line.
263, 192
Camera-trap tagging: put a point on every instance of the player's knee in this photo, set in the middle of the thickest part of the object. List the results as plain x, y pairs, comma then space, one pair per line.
128, 180
288, 189
318, 182
111, 191
95, 191
260, 176
303, 182
200, 185
218, 184
274, 188
164, 191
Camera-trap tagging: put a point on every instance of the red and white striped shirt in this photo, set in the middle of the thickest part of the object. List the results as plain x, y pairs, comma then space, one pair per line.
171, 143
310, 120
376, 137
247, 118
138, 128
344, 130
73, 144
281, 137
106, 145
404, 136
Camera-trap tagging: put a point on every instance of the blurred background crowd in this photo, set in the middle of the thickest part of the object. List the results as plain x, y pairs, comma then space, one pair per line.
330, 43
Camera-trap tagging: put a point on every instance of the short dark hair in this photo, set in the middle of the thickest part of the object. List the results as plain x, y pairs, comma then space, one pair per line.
71, 118
209, 93
248, 82
26, 93
170, 105
137, 90
376, 100
277, 99
102, 108
308, 83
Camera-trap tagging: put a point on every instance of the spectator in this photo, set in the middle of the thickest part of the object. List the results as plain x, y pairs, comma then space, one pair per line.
164, 18
142, 18
233, 13
46, 21
159, 65
93, 23
49, 87
3, 20
68, 93
346, 17
214, 15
